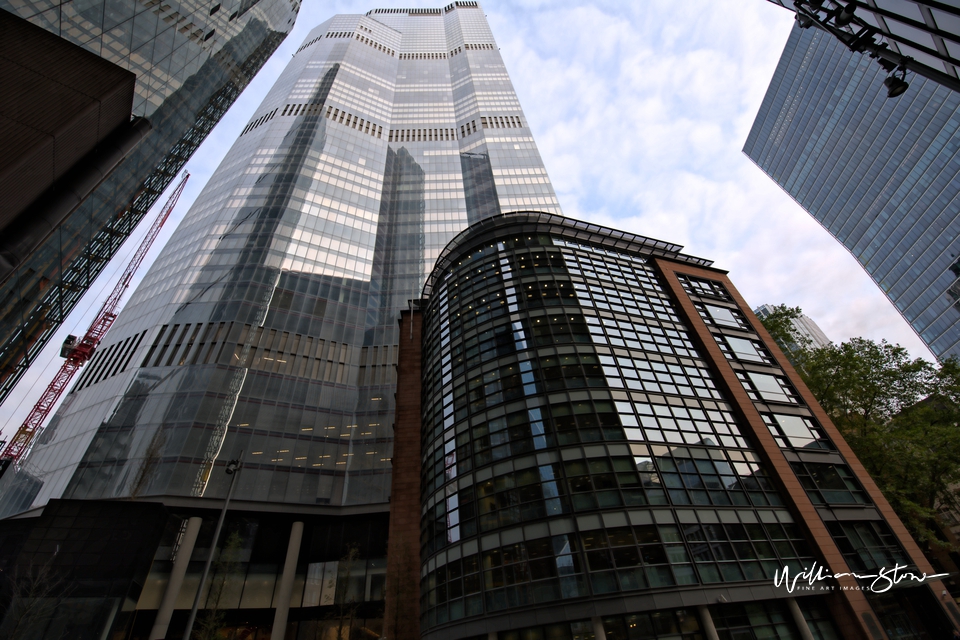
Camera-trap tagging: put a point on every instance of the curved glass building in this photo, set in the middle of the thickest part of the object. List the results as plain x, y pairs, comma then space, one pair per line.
584, 434
613, 447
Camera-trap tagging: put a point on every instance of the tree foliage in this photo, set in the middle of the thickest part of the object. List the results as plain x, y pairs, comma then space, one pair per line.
779, 324
863, 384
901, 417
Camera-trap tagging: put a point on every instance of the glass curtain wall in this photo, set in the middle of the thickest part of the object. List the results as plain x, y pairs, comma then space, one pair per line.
575, 443
879, 174
192, 59
269, 322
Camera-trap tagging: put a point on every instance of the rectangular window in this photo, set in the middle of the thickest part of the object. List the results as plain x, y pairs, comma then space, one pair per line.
769, 388
744, 349
796, 432
867, 545
829, 483
723, 316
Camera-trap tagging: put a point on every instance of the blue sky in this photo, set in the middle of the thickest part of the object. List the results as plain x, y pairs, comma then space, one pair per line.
640, 110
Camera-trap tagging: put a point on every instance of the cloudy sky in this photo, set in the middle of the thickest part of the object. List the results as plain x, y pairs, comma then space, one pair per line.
640, 111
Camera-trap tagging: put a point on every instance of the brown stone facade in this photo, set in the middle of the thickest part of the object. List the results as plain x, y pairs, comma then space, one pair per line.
853, 614
401, 619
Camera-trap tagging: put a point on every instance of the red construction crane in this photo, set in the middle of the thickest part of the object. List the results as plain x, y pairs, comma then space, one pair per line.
79, 353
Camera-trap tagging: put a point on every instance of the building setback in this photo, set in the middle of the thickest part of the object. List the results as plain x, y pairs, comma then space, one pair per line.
78, 174
268, 323
879, 174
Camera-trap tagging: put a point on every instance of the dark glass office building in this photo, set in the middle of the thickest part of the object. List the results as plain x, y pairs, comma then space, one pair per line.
879, 174
922, 37
613, 447
78, 175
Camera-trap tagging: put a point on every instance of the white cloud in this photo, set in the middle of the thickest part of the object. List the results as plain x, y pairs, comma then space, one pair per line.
640, 110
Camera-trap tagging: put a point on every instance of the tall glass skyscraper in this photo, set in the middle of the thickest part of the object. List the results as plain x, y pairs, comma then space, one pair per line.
192, 58
879, 174
575, 433
804, 325
268, 324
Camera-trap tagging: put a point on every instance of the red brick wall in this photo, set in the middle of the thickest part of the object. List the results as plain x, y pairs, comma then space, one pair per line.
848, 606
401, 618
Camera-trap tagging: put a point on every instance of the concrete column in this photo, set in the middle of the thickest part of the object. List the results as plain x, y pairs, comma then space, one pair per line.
706, 620
599, 633
805, 633
286, 582
159, 631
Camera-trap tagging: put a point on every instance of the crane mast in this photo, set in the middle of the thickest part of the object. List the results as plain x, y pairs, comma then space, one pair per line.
78, 353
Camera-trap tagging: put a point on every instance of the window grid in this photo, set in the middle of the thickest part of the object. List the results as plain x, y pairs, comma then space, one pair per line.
722, 316
654, 475
609, 560
868, 545
796, 432
703, 424
703, 288
725, 477
542, 344
692, 380
829, 483
769, 619
734, 349
679, 624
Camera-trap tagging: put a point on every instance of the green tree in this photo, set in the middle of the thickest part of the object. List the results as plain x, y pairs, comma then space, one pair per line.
863, 384
780, 325
917, 456
901, 417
